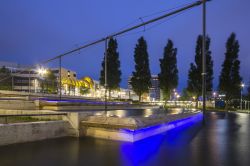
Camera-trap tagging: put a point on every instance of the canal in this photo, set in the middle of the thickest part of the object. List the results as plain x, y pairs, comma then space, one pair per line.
225, 140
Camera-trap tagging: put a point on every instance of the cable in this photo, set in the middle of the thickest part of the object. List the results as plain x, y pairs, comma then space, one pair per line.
197, 3
152, 27
163, 11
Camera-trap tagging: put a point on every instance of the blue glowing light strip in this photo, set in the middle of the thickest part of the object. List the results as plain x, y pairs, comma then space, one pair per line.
168, 126
84, 101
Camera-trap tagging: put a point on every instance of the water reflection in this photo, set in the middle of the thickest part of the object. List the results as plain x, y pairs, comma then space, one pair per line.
140, 112
225, 140
152, 150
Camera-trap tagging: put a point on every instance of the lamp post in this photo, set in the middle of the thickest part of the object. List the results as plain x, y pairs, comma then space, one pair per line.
42, 72
241, 91
204, 58
106, 72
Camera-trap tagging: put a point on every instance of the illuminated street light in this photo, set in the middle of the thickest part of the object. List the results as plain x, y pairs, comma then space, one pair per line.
178, 96
42, 71
241, 90
214, 95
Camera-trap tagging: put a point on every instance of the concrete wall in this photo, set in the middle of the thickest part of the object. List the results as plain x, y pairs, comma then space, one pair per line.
33, 131
75, 118
116, 129
20, 112
17, 104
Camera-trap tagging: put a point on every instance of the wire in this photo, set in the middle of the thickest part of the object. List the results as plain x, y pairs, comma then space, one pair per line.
163, 11
153, 14
153, 26
118, 34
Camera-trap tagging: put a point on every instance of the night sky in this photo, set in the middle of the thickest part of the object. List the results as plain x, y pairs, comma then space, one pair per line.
35, 30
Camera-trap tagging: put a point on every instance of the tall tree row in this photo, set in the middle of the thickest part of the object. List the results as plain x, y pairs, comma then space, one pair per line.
230, 79
168, 76
194, 87
113, 67
141, 76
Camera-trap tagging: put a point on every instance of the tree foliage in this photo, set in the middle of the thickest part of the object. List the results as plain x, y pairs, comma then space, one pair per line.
195, 72
5, 79
230, 79
168, 76
113, 67
140, 80
50, 82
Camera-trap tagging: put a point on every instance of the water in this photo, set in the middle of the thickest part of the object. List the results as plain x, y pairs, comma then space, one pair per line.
225, 140
141, 112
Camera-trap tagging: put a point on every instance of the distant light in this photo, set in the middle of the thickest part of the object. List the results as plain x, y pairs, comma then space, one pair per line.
42, 71
222, 95
242, 85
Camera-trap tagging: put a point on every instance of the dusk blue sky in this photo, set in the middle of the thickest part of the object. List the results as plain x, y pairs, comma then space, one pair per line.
35, 30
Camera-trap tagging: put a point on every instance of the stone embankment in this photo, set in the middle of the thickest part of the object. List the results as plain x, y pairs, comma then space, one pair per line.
134, 128
88, 123
33, 131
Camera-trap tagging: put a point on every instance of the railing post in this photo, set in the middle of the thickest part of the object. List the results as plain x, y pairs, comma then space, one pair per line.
105, 73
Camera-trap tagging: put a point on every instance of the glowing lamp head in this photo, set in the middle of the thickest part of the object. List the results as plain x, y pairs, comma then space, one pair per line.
41, 71
242, 85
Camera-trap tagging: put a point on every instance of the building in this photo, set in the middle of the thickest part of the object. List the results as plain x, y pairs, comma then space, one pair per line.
154, 91
34, 80
48, 80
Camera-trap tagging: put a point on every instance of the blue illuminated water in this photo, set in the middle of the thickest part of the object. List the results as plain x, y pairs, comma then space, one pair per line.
225, 140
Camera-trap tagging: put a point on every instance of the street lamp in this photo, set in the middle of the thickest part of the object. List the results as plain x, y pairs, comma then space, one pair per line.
241, 91
178, 96
214, 95
42, 72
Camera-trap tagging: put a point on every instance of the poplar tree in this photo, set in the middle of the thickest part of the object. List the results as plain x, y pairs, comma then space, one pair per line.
168, 76
230, 79
113, 67
195, 72
140, 80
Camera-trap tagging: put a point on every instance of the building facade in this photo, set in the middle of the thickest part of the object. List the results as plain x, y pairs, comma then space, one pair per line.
154, 91
38, 80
